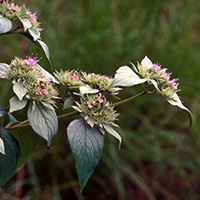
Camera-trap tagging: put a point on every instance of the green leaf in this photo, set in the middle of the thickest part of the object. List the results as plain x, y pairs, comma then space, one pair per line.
16, 104
26, 23
126, 77
8, 162
35, 33
4, 70
19, 90
68, 103
3, 111
29, 143
87, 146
5, 24
43, 120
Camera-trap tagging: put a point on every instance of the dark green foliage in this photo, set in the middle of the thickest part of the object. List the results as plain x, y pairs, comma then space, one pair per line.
8, 162
87, 146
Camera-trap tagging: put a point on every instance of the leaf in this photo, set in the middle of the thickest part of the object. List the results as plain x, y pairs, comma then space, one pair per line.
87, 146
29, 143
126, 77
38, 44
44, 48
146, 62
47, 74
2, 147
8, 162
68, 103
86, 89
35, 33
26, 23
5, 24
114, 133
175, 101
19, 90
16, 104
4, 70
3, 111
155, 84
43, 120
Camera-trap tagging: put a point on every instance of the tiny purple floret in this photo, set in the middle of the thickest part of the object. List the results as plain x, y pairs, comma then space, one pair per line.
33, 17
173, 83
100, 99
31, 61
90, 104
156, 68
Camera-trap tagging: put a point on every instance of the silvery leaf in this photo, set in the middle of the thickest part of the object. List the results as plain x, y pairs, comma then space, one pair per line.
114, 133
146, 62
175, 101
125, 76
47, 74
87, 90
4, 70
5, 24
2, 147
19, 89
16, 104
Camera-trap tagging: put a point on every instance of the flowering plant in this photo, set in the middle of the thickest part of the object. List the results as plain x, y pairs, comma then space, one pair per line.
92, 97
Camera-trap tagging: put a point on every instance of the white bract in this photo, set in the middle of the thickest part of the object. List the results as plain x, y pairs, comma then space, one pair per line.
126, 77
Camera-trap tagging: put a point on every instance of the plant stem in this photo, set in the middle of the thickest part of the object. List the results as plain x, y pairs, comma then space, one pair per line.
129, 99
26, 122
67, 114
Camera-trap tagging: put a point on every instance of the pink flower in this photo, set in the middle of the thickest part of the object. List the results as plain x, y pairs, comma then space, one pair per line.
44, 91
156, 68
90, 104
173, 83
31, 61
33, 17
13, 8
100, 99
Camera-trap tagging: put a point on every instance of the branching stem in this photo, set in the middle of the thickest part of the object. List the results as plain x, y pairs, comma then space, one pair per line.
26, 122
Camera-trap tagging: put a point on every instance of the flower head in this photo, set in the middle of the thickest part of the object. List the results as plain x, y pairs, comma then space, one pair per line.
33, 17
156, 68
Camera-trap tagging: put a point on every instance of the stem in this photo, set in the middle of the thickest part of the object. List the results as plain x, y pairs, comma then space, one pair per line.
130, 98
26, 122
67, 114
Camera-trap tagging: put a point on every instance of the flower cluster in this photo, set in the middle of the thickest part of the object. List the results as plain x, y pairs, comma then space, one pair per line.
37, 83
89, 96
72, 79
15, 12
96, 109
153, 71
69, 78
100, 82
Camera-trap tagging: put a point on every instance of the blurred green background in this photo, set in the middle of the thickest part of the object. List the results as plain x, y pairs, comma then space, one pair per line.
159, 158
